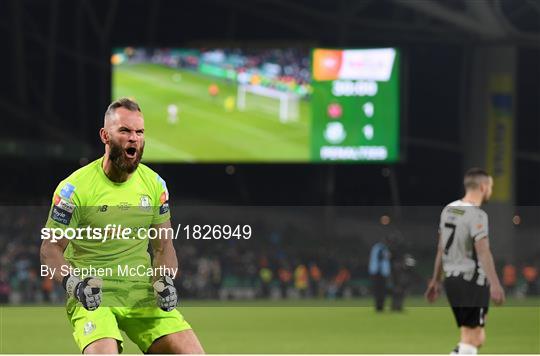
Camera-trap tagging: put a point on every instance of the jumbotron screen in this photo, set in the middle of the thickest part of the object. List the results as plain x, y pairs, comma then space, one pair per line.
238, 105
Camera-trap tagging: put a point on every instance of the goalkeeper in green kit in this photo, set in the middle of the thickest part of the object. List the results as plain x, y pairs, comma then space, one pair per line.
116, 190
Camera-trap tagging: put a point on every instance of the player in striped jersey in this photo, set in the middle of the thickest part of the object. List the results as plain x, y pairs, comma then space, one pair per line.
464, 259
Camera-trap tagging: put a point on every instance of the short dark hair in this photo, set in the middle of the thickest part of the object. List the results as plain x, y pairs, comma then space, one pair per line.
125, 103
473, 177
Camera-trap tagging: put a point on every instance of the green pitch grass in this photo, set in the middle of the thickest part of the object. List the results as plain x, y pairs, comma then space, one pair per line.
206, 131
287, 327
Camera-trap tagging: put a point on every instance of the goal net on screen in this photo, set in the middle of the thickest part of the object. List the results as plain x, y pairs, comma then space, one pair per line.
254, 97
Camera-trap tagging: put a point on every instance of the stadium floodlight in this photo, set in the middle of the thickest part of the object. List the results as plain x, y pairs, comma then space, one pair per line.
289, 108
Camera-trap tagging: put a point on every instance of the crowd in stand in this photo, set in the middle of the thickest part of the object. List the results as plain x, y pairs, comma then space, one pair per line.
286, 264
233, 274
231, 270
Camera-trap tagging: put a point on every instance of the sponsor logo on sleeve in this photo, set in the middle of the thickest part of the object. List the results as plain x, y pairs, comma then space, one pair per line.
164, 201
62, 210
64, 204
67, 191
164, 198
60, 215
164, 208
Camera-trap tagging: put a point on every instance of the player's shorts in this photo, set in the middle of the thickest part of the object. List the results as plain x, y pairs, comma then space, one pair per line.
469, 301
142, 325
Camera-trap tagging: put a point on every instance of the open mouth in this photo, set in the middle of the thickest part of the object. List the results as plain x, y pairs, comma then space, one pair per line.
130, 152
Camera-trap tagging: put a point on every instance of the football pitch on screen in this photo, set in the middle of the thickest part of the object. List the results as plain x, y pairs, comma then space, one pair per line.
297, 327
205, 128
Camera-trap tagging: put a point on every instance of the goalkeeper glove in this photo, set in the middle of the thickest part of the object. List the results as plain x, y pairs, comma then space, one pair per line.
166, 296
87, 291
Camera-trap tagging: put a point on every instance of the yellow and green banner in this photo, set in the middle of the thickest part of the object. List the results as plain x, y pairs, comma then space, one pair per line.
500, 135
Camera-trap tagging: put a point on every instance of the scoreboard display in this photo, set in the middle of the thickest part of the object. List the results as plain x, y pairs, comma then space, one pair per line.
265, 105
355, 105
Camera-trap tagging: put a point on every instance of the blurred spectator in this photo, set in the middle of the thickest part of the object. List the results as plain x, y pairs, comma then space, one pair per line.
379, 271
530, 273
265, 275
315, 276
509, 278
203, 277
401, 268
5, 289
301, 280
216, 278
47, 286
285, 277
343, 276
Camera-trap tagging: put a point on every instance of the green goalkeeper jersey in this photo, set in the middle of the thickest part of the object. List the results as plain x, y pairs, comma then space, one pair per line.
109, 225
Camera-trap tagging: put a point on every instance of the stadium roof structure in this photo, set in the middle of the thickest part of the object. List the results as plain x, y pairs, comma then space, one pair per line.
491, 21
56, 70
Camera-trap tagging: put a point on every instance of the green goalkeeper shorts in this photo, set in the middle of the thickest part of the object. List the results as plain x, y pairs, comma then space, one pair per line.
142, 325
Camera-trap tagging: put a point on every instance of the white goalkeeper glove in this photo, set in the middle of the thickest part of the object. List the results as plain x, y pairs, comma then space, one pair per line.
166, 296
87, 291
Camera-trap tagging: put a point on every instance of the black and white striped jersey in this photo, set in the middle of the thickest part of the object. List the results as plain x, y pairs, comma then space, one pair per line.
461, 225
